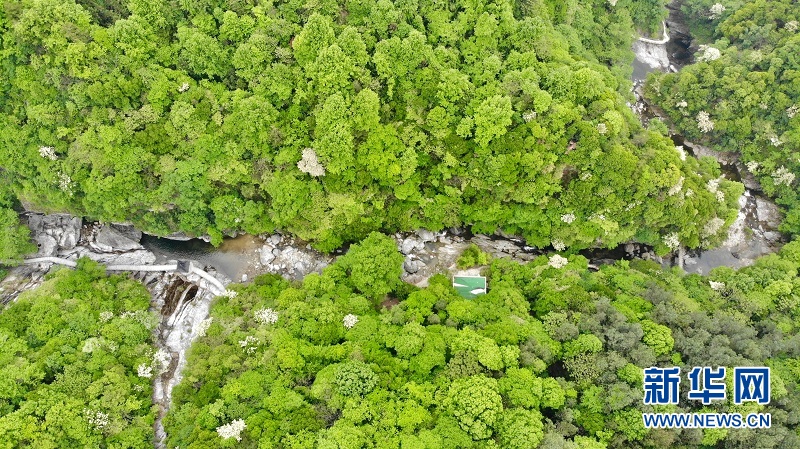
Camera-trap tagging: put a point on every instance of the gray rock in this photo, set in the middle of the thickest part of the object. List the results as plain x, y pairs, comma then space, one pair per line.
265, 255
629, 248
109, 240
137, 257
275, 239
411, 266
772, 236
768, 213
48, 246
699, 150
63, 228
128, 231
654, 55
408, 245
180, 236
426, 235
276, 251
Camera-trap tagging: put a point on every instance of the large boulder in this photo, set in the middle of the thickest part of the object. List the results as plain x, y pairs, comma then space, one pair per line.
109, 239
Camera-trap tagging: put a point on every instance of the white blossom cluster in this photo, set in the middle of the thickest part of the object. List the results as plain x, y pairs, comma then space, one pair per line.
704, 122
203, 326
783, 176
48, 153
249, 344
671, 241
791, 26
310, 164
585, 176
106, 316
557, 261
677, 187
602, 128
689, 193
266, 316
184, 87
716, 285
612, 2
230, 294
681, 152
528, 116
232, 429
792, 110
349, 320
681, 104
716, 10
775, 141
140, 316
65, 183
629, 207
709, 53
712, 185
94, 343
90, 345
755, 56
713, 226
144, 370
558, 245
752, 166
96, 419
161, 360
568, 218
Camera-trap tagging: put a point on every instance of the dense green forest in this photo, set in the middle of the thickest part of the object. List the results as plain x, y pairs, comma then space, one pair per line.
551, 357
743, 94
76, 362
333, 119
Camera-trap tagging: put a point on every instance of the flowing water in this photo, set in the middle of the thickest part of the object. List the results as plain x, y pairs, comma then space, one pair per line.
234, 258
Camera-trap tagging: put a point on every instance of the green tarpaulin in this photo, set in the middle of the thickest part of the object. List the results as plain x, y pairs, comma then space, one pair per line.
470, 286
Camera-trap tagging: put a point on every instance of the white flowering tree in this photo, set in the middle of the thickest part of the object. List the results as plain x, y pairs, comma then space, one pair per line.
708, 53
557, 261
350, 320
233, 430
716, 10
704, 122
310, 164
266, 316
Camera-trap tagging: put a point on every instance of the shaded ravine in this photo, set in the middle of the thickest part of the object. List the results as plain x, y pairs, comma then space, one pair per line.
755, 230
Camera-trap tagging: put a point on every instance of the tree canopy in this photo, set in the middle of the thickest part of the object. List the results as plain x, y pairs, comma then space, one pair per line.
331, 120
76, 359
550, 357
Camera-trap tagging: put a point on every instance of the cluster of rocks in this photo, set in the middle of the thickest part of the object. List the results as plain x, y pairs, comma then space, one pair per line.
66, 236
428, 253
285, 256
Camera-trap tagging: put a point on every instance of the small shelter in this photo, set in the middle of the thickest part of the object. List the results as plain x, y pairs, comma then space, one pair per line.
470, 286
